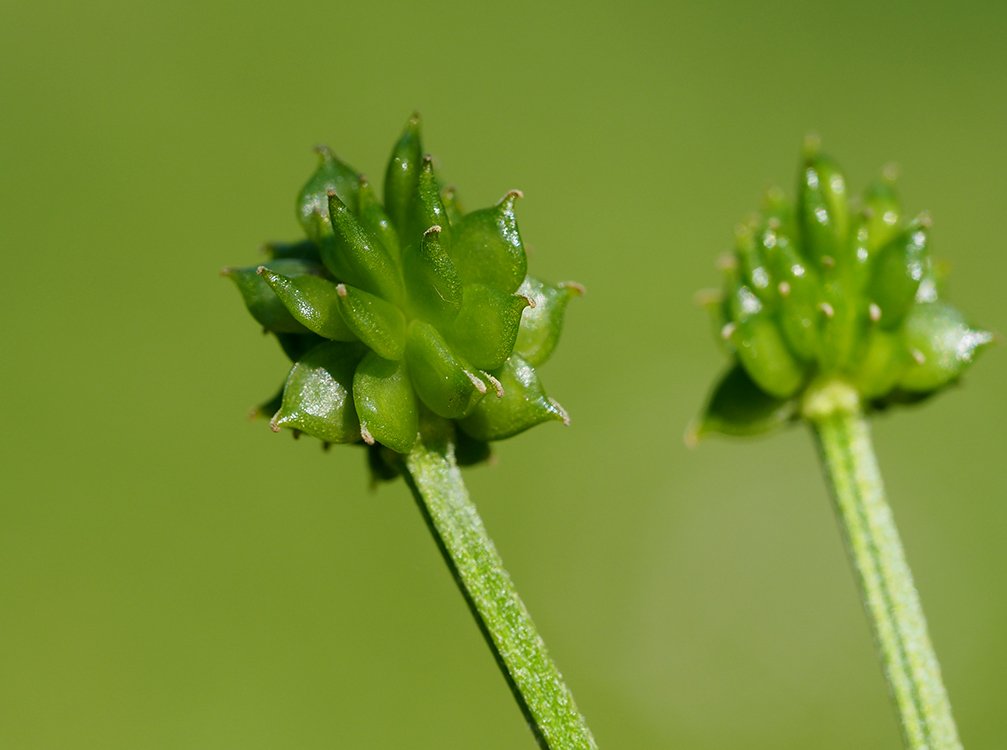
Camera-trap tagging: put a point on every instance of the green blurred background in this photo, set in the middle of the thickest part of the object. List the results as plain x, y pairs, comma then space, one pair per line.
173, 575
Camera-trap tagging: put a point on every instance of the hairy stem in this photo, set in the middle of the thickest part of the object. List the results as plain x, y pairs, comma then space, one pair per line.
886, 585
538, 687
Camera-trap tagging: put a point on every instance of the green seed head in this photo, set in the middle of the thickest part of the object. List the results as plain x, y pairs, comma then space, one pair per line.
822, 290
397, 312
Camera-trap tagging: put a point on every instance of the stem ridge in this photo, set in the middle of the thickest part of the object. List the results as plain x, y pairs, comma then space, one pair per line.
890, 598
536, 683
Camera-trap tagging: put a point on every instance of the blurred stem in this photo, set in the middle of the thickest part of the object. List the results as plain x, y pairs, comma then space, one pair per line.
886, 585
538, 687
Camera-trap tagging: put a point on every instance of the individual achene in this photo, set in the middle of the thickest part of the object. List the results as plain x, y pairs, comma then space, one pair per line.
392, 308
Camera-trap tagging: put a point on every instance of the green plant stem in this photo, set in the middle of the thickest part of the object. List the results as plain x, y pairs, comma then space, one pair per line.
886, 585
538, 687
